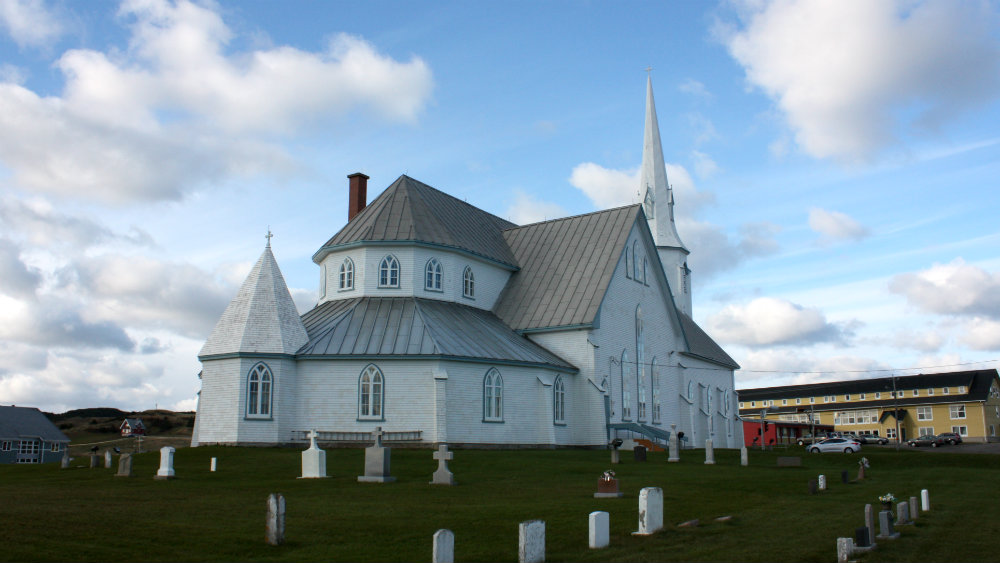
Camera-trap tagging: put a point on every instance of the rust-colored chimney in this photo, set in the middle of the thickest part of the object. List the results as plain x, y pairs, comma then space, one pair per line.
359, 194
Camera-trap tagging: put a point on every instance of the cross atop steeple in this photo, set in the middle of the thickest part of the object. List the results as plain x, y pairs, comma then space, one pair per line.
268, 236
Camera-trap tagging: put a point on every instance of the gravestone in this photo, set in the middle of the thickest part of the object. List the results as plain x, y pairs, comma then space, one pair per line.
744, 457
313, 460
861, 473
124, 466
607, 486
600, 535
903, 513
689, 524
843, 477
377, 462
213, 466
65, 459
639, 453
925, 500
813, 486
862, 537
107, 459
443, 476
885, 529
845, 546
789, 461
531, 541
444, 547
914, 512
166, 470
615, 456
673, 456
822, 482
650, 511
870, 520
709, 452
95, 461
274, 531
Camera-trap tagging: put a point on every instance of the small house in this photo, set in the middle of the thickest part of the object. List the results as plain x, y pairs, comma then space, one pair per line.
133, 427
28, 436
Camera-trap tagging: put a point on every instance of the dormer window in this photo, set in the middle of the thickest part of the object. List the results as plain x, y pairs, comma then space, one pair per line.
432, 275
388, 272
469, 283
347, 274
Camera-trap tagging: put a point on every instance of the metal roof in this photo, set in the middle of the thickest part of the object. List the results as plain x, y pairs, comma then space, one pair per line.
566, 267
411, 211
411, 326
27, 422
976, 382
701, 344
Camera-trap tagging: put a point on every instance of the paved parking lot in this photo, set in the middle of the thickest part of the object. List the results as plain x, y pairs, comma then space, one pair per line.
964, 448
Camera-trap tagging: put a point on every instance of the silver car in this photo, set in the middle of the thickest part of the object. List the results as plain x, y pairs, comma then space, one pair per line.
846, 445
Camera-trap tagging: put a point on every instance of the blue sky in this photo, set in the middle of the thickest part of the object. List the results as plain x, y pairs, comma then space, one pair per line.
835, 166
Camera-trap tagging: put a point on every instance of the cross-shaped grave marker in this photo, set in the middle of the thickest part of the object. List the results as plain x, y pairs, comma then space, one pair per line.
443, 476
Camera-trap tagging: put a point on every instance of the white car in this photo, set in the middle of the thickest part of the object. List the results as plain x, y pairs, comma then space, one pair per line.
846, 445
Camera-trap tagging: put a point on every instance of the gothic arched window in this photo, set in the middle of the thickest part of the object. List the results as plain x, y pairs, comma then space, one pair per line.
347, 274
371, 394
468, 283
626, 384
432, 275
640, 367
259, 384
635, 261
493, 396
388, 272
559, 400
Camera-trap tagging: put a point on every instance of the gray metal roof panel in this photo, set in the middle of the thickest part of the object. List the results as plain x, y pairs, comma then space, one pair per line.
701, 344
411, 211
566, 266
409, 326
27, 422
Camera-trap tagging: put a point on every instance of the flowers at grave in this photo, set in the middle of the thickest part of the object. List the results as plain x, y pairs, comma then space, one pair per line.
609, 475
887, 498
864, 463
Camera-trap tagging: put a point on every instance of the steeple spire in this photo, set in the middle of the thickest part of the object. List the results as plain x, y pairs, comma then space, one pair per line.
658, 205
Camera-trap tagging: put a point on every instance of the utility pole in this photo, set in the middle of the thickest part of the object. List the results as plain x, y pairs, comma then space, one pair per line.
895, 406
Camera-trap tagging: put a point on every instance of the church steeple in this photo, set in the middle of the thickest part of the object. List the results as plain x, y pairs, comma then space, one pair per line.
658, 205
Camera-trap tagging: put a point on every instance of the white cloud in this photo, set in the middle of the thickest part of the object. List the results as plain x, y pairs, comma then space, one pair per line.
704, 166
981, 334
29, 22
927, 341
770, 367
695, 88
527, 208
16, 278
606, 187
955, 288
834, 225
767, 321
850, 74
160, 119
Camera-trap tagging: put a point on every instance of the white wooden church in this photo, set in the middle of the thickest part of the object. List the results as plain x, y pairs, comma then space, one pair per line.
440, 322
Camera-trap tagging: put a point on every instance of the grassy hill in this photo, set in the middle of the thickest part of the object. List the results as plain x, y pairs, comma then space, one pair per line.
100, 426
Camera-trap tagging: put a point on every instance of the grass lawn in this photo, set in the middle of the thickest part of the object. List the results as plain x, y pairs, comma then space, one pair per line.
78, 514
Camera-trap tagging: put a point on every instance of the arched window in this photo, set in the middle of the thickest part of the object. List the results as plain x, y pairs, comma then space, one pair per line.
559, 400
628, 263
644, 264
388, 272
626, 392
691, 390
371, 394
259, 384
647, 205
347, 274
493, 396
468, 283
635, 261
432, 275
640, 367
654, 374
322, 281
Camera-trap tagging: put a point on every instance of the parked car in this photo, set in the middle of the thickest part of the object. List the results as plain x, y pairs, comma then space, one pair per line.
952, 438
846, 445
809, 439
868, 439
930, 440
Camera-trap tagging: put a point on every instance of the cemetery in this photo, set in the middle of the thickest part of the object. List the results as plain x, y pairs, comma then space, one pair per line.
361, 504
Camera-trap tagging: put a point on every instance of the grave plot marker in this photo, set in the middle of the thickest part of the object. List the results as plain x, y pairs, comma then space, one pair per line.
925, 500
443, 476
124, 466
107, 459
313, 459
531, 541
914, 512
709, 452
674, 456
599, 524
274, 532
377, 459
650, 511
444, 547
166, 470
744, 457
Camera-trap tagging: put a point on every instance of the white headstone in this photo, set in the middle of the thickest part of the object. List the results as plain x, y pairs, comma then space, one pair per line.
709, 452
107, 459
444, 547
65, 459
443, 476
214, 465
744, 458
650, 511
903, 513
845, 547
600, 535
377, 458
925, 500
313, 460
672, 445
822, 482
166, 470
274, 532
531, 541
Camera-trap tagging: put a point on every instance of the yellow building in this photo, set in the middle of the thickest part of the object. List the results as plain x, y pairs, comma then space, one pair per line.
966, 402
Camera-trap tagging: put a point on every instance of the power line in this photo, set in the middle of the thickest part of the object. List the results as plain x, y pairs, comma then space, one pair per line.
866, 370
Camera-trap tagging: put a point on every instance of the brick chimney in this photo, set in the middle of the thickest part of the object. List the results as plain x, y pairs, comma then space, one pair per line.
359, 194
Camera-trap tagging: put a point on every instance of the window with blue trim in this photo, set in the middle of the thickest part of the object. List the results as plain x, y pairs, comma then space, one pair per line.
259, 384
626, 392
347, 274
493, 396
469, 283
388, 272
432, 275
559, 401
371, 394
